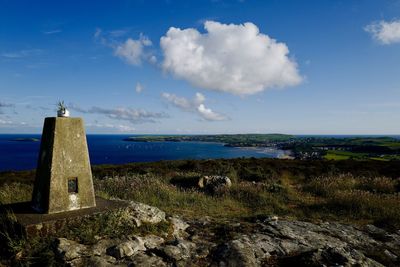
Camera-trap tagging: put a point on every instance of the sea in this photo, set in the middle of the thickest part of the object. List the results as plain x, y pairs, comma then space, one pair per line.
112, 149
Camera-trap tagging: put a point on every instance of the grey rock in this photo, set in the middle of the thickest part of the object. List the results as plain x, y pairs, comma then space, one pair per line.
152, 241
147, 260
142, 213
127, 248
215, 183
280, 242
179, 226
390, 254
139, 213
101, 261
100, 248
179, 250
69, 250
237, 253
172, 252
329, 244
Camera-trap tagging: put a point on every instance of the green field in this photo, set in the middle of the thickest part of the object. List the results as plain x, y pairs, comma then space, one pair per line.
342, 155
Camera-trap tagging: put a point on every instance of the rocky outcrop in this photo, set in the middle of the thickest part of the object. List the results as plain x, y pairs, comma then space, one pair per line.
330, 244
69, 250
271, 242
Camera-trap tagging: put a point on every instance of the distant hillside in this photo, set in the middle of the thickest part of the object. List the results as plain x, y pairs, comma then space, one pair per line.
239, 140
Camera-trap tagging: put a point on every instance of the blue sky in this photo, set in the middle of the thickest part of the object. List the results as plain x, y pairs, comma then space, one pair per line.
166, 67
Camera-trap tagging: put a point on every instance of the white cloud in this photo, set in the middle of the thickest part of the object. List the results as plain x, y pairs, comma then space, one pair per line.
385, 32
177, 101
125, 114
106, 127
210, 115
139, 88
195, 105
11, 123
231, 58
132, 51
128, 114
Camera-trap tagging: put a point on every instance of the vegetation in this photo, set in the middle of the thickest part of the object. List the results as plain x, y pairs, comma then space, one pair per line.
315, 190
38, 250
342, 155
349, 191
298, 189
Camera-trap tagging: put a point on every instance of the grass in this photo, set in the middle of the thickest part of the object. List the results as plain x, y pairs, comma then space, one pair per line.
15, 192
340, 197
345, 191
303, 190
343, 155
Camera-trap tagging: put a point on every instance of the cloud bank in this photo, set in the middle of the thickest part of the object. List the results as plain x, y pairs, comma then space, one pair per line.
231, 58
385, 32
195, 105
125, 114
111, 127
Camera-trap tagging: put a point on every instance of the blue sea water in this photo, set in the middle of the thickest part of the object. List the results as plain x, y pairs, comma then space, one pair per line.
111, 149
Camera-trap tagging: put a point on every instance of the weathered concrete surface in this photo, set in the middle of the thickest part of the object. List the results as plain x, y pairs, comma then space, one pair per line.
63, 156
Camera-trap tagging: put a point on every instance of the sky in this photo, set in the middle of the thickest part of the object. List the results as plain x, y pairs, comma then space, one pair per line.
202, 67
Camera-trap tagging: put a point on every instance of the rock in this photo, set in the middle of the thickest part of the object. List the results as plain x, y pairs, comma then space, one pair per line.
173, 252
152, 241
215, 183
145, 260
68, 250
100, 248
295, 242
102, 261
179, 250
127, 248
236, 253
344, 256
272, 218
270, 241
141, 213
390, 255
376, 232
179, 226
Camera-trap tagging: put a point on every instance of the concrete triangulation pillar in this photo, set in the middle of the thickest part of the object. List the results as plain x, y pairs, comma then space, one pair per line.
63, 176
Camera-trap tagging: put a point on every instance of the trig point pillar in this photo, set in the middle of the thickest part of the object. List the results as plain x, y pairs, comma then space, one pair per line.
63, 176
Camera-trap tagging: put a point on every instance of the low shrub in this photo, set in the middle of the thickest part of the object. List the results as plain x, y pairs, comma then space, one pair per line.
15, 192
